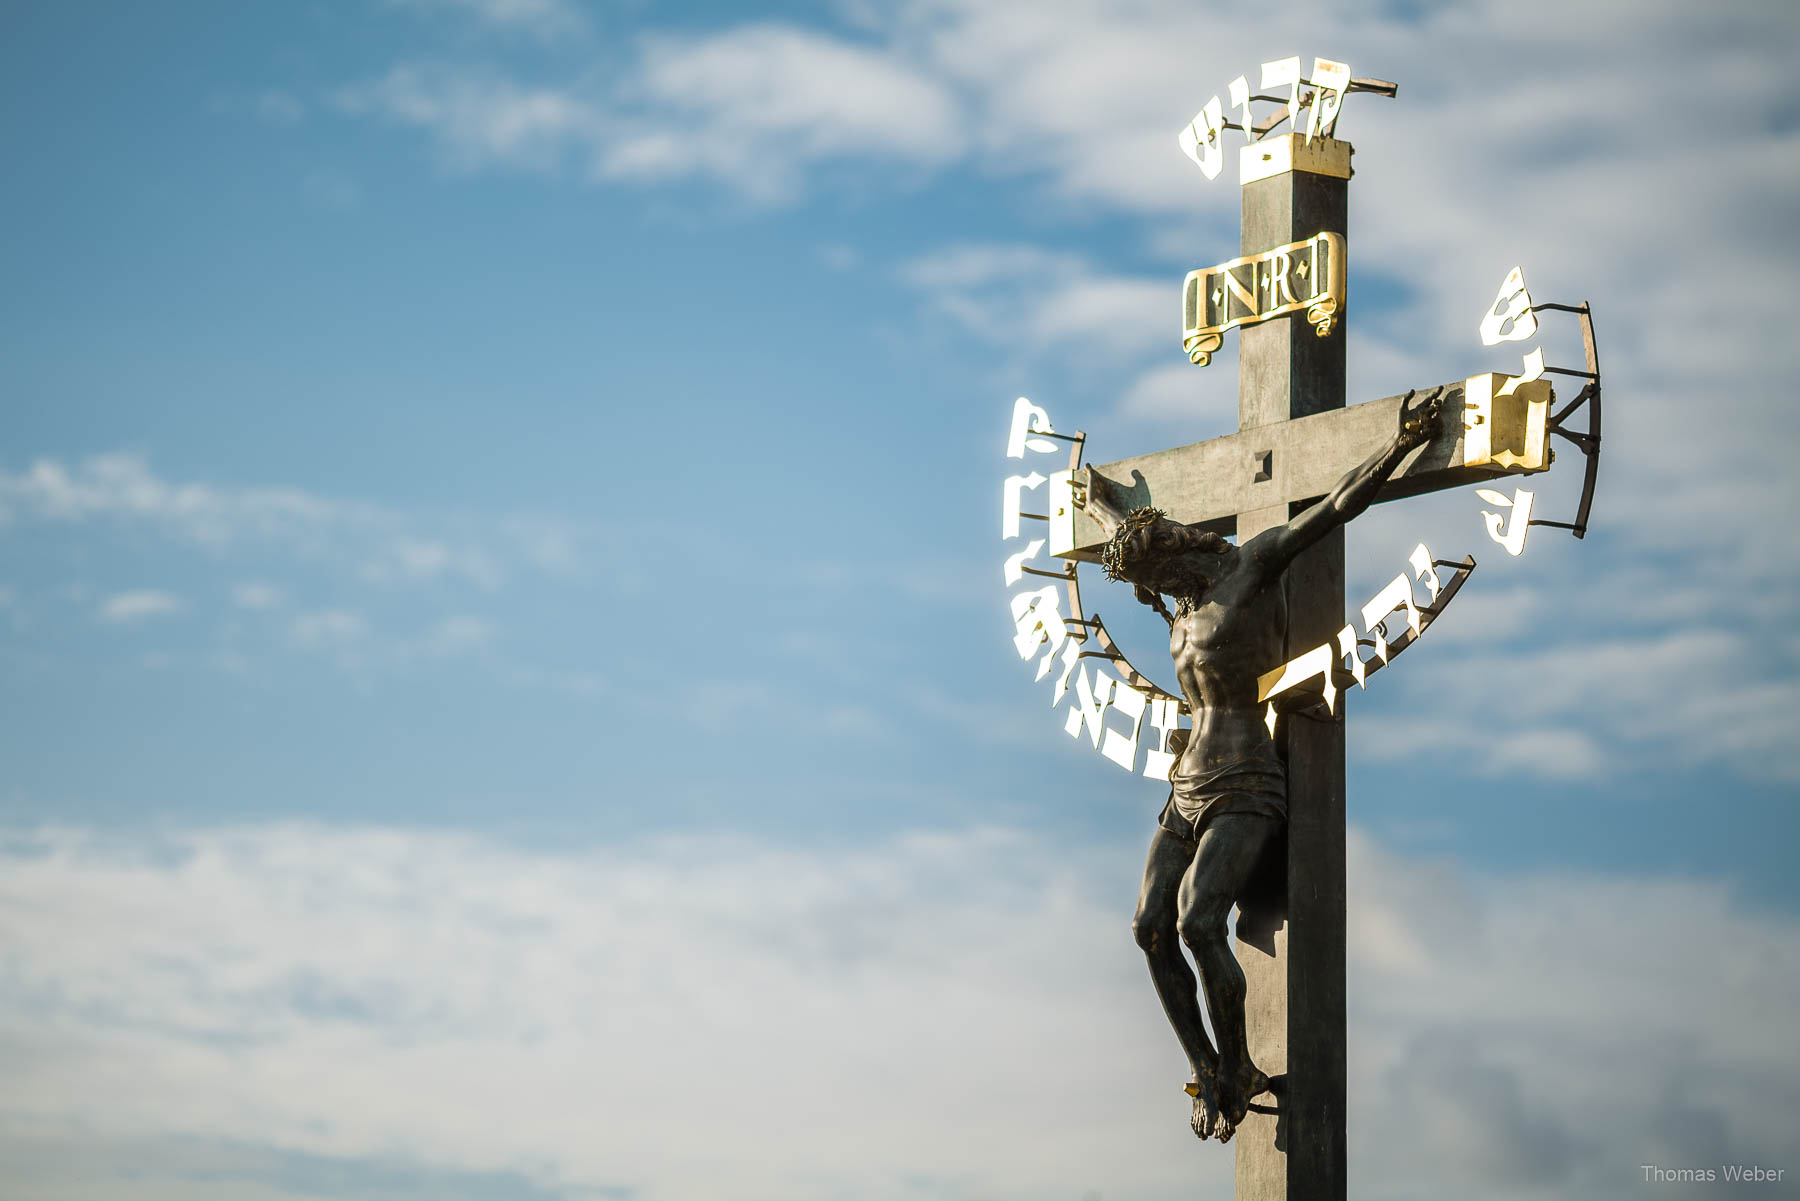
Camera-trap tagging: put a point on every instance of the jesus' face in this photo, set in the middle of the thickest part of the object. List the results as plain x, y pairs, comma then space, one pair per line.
1172, 558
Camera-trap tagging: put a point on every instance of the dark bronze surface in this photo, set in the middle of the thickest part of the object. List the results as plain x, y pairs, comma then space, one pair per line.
1229, 622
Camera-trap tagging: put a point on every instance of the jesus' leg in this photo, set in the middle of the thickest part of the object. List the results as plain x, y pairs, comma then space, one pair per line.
1230, 847
1154, 926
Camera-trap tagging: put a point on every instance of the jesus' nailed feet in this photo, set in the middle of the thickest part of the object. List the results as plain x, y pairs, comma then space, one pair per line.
1219, 1108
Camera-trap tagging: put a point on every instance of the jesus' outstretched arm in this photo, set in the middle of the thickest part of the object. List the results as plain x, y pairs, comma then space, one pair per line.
1275, 548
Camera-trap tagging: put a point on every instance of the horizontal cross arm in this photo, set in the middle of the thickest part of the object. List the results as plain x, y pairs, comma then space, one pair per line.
1481, 436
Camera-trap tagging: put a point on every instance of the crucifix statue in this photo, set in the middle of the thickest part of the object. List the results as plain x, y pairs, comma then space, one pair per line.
1255, 814
1228, 788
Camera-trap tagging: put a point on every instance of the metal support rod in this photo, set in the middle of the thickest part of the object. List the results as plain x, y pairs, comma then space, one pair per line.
1581, 398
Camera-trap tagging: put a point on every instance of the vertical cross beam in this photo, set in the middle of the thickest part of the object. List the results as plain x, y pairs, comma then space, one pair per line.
1291, 925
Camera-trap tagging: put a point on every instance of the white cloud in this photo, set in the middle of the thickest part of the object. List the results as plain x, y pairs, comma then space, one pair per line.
1473, 994
839, 256
1037, 300
123, 486
254, 594
412, 560
1534, 133
458, 634
967, 1009
359, 647
480, 118
754, 107
138, 605
1170, 393
356, 554
382, 545
778, 703
543, 18
1662, 643
278, 107
755, 104
327, 628
1623, 688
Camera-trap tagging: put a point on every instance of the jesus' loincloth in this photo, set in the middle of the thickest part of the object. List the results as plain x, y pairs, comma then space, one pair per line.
1254, 783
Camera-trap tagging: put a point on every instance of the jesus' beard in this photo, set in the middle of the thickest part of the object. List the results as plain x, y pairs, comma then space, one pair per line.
1186, 578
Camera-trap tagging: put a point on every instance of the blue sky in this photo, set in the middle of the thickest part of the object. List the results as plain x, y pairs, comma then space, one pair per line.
501, 597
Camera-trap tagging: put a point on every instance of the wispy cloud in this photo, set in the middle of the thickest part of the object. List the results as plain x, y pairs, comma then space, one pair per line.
1540, 152
327, 628
123, 485
752, 107
459, 633
410, 559
1676, 697
541, 18
278, 107
480, 118
362, 587
253, 594
366, 993
1040, 298
138, 605
378, 544
1664, 642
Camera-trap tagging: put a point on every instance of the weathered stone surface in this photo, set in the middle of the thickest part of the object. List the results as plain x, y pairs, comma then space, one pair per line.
1212, 482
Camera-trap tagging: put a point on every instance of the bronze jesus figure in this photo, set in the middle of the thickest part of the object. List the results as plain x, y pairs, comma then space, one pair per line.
1228, 788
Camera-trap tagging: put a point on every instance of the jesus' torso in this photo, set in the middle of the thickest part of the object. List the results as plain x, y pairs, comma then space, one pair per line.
1236, 632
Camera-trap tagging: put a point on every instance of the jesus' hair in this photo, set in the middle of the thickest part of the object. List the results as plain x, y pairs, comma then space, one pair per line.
1179, 574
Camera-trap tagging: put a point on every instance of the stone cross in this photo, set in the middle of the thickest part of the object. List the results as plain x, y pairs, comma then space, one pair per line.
1295, 438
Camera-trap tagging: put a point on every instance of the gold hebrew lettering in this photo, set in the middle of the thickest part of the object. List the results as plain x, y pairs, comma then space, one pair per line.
1346, 644
1028, 419
1513, 540
1131, 703
1285, 71
1092, 694
1012, 494
1397, 594
1329, 80
1424, 569
1239, 90
1071, 654
1165, 719
1203, 139
1015, 564
1037, 619
1316, 662
1509, 318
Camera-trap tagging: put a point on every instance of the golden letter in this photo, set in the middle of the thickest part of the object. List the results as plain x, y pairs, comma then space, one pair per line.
1201, 140
1329, 80
1028, 419
1513, 541
1279, 284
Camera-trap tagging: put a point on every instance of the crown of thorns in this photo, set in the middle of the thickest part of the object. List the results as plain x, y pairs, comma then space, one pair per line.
1112, 558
